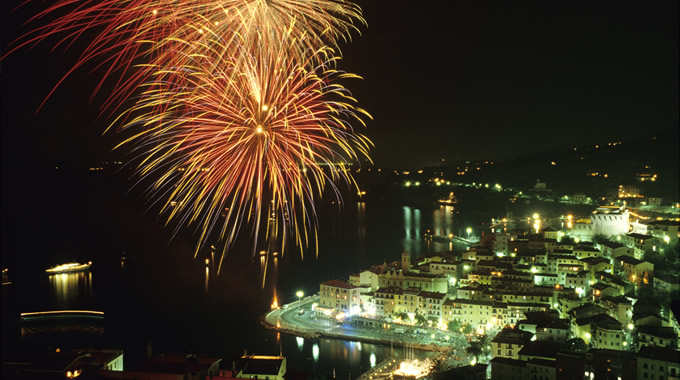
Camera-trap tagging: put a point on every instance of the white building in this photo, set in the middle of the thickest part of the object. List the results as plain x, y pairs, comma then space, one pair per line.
610, 221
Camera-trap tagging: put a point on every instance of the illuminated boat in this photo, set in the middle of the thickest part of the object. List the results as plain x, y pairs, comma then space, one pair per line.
69, 268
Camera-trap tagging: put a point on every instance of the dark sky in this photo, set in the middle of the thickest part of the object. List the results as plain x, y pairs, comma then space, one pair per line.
443, 79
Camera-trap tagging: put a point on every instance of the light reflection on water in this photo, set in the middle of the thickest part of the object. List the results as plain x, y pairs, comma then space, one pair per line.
442, 221
361, 220
71, 289
343, 358
441, 224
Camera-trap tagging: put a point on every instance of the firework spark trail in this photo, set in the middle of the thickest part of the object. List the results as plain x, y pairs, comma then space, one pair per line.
129, 32
238, 131
239, 113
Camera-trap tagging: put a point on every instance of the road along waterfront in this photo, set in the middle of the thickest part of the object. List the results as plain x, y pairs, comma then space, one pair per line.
296, 318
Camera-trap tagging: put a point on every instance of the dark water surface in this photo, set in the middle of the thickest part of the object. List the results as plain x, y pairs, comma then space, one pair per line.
161, 298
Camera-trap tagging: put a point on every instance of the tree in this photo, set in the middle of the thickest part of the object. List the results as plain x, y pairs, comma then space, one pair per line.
454, 325
467, 328
474, 349
567, 240
601, 239
420, 319
577, 344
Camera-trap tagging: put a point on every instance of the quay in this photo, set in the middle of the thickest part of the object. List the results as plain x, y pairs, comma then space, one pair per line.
288, 319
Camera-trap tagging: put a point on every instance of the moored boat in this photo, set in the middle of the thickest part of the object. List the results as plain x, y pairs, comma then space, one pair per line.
69, 268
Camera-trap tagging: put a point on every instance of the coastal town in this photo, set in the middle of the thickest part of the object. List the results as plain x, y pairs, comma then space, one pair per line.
574, 296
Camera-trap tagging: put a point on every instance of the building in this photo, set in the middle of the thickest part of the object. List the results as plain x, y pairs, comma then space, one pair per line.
188, 367
610, 221
607, 333
405, 262
636, 271
387, 301
667, 283
597, 264
478, 314
611, 364
658, 363
586, 251
370, 278
503, 368
340, 296
262, 367
641, 243
612, 250
657, 336
508, 342
58, 364
466, 372
621, 308
665, 230
431, 304
422, 281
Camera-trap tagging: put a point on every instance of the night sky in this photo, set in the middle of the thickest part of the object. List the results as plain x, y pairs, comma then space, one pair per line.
443, 79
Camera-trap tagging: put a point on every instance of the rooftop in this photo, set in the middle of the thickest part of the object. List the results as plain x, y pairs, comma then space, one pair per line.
513, 336
262, 365
338, 284
659, 353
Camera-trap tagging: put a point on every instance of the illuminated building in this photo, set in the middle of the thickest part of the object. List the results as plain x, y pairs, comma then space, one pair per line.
597, 264
585, 251
422, 281
641, 243
430, 304
508, 342
619, 307
609, 221
340, 296
635, 271
612, 249
665, 230
607, 333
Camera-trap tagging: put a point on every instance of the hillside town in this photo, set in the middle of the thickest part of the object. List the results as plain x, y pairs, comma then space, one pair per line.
565, 298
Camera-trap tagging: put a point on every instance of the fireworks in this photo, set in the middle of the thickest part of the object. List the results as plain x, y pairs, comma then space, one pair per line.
259, 136
239, 116
127, 33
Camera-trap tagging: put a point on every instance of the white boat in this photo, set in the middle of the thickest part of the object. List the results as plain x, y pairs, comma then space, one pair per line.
69, 268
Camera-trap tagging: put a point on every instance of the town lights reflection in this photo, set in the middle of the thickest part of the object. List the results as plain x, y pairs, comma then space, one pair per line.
372, 360
207, 277
315, 352
361, 219
300, 342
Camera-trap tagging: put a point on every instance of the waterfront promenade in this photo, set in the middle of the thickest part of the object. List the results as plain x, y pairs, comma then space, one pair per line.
289, 319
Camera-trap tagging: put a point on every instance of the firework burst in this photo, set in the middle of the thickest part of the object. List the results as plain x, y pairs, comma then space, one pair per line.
246, 139
239, 117
121, 34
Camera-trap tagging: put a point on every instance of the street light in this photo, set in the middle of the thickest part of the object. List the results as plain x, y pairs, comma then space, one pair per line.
299, 294
469, 230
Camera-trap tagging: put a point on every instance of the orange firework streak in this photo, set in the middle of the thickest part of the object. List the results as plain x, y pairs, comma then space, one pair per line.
251, 134
127, 32
239, 109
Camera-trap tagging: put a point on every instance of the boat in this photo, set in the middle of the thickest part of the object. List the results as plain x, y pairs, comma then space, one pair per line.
69, 268
451, 200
